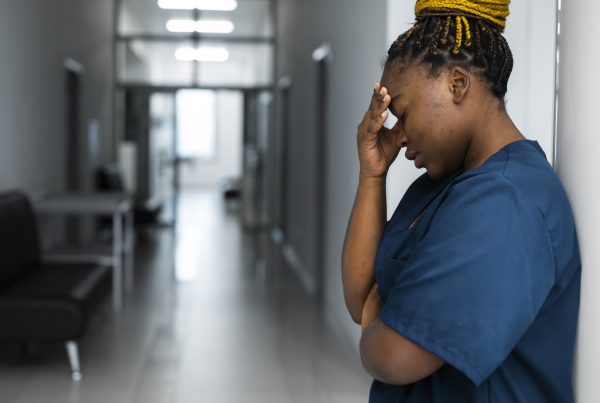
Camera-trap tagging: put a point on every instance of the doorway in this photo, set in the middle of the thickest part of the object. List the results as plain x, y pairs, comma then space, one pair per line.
209, 136
322, 57
73, 72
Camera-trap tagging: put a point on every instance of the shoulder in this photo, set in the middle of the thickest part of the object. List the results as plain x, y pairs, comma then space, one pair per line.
490, 192
518, 176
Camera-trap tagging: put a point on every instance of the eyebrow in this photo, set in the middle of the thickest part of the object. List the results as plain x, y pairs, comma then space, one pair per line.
396, 97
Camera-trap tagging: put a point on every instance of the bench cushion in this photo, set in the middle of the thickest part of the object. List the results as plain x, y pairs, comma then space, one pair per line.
20, 249
52, 301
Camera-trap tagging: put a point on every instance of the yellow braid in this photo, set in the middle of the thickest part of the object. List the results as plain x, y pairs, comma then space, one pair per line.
465, 22
494, 11
458, 42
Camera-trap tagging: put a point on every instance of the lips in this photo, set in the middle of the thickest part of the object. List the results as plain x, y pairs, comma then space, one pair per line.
416, 157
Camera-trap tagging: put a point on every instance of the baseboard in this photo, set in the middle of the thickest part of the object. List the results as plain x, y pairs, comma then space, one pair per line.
297, 267
345, 331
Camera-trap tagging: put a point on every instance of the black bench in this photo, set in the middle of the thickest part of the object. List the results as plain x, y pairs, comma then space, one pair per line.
40, 301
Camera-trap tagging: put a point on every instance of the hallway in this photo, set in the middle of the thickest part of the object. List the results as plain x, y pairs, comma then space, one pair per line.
233, 324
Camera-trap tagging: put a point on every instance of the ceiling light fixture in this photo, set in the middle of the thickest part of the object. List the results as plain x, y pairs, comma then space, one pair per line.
213, 5
181, 25
202, 54
203, 26
215, 26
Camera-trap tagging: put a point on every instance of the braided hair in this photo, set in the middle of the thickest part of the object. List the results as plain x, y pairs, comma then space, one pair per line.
464, 33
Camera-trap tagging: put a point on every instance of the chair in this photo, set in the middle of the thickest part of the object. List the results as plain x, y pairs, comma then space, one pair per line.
41, 301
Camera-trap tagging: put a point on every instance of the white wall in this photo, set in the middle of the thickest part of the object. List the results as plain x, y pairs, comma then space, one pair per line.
355, 66
577, 161
530, 33
228, 157
400, 17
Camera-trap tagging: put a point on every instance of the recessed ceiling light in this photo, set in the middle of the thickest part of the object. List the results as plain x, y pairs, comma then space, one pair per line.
218, 5
204, 26
202, 54
181, 25
215, 26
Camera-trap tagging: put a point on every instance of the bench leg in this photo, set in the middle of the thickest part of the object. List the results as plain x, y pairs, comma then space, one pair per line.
129, 250
73, 353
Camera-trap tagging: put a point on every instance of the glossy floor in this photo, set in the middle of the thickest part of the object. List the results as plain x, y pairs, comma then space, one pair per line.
216, 316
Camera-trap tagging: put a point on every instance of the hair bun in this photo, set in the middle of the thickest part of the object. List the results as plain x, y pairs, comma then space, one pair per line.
494, 11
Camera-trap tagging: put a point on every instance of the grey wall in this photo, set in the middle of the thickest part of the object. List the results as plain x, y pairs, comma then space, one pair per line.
35, 38
577, 162
356, 31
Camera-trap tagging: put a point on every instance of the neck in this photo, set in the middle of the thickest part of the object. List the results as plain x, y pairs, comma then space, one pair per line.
492, 130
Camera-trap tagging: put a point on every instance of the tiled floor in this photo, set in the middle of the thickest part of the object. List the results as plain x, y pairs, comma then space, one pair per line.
220, 320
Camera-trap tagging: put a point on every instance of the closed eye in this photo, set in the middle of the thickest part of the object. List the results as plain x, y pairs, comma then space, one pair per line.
400, 117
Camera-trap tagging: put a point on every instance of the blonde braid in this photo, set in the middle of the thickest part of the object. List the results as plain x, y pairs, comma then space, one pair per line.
458, 41
494, 11
467, 30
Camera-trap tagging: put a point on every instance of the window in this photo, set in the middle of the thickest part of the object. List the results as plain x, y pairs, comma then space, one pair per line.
196, 124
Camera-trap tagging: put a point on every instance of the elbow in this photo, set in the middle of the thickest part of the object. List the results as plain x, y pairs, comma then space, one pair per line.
390, 358
355, 309
384, 372
389, 378
356, 318
378, 369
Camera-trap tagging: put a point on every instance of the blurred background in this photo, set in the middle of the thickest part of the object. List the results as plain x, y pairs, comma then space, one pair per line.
182, 171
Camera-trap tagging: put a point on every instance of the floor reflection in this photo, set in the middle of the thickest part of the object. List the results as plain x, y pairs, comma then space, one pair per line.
216, 316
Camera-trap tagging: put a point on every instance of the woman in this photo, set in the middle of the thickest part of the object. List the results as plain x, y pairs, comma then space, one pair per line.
470, 292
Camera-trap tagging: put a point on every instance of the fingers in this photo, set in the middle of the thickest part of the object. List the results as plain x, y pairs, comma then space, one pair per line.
380, 100
377, 113
376, 123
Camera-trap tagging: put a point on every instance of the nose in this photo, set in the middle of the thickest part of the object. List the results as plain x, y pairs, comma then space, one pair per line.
403, 140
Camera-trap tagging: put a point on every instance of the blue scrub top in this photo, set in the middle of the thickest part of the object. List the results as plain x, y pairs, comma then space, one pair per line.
487, 279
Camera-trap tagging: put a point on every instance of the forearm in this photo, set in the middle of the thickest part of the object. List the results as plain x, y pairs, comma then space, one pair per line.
365, 227
391, 358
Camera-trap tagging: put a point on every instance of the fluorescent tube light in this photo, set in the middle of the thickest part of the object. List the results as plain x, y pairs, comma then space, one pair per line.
214, 26
202, 54
185, 54
181, 25
204, 26
217, 5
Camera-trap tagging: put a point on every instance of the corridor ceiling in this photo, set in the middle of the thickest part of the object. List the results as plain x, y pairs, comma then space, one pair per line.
146, 50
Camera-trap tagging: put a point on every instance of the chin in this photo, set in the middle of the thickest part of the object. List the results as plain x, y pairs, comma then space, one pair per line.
433, 174
436, 175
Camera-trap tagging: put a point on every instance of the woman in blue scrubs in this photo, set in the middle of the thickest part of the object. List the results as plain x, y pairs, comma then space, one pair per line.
470, 292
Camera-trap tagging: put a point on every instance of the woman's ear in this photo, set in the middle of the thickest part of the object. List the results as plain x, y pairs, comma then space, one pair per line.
460, 82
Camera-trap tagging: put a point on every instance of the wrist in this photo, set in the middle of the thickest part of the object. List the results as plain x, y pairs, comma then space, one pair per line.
365, 178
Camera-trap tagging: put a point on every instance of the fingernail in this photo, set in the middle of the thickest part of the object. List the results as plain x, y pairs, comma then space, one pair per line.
384, 114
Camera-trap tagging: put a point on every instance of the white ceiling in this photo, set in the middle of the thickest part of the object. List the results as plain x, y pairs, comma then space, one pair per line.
251, 18
152, 60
